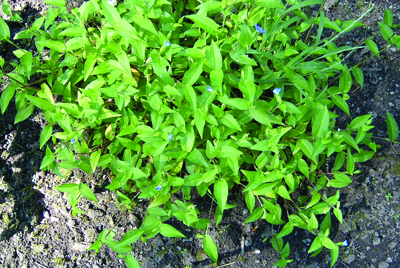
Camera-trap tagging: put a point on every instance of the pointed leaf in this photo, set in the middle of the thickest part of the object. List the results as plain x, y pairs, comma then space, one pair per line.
169, 231
221, 191
210, 248
392, 127
87, 192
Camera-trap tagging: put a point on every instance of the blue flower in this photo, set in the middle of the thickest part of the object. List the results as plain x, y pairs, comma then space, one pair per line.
73, 140
338, 129
158, 188
259, 29
167, 44
234, 9
209, 89
170, 137
345, 243
277, 90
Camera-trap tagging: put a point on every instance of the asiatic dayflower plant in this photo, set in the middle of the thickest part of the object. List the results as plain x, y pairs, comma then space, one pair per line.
139, 108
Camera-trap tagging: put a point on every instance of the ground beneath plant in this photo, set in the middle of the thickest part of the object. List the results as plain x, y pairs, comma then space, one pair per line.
37, 229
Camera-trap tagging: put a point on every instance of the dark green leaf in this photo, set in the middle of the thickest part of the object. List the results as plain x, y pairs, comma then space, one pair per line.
392, 127
385, 31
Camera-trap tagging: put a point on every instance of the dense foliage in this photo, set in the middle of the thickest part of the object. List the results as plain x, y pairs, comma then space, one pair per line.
181, 96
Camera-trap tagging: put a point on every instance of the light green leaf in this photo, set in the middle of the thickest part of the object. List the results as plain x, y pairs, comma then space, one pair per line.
68, 188
317, 244
349, 140
197, 157
87, 192
373, 47
94, 159
321, 123
215, 58
210, 248
45, 135
6, 8
24, 113
229, 121
260, 116
73, 31
350, 162
363, 156
345, 80
342, 104
131, 262
228, 151
358, 75
257, 213
341, 180
145, 23
282, 191
385, 31
392, 127
270, 3
110, 12
193, 74
55, 45
388, 18
190, 96
6, 97
221, 193
286, 230
4, 30
169, 231
118, 247
338, 214
205, 23
306, 147
303, 167
26, 62
41, 103
360, 121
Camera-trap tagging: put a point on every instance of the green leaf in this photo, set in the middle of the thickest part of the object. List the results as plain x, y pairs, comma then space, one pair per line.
205, 23
131, 237
45, 135
360, 121
221, 193
193, 74
6, 97
260, 116
286, 230
230, 121
250, 200
73, 31
89, 65
257, 213
4, 30
190, 96
41, 103
341, 104
385, 31
169, 231
145, 23
87, 192
363, 156
94, 159
358, 75
339, 161
320, 125
350, 162
228, 151
341, 180
215, 58
350, 141
26, 62
110, 12
303, 167
55, 45
345, 80
388, 17
338, 214
210, 248
68, 188
314, 199
306, 147
282, 191
57, 3
373, 47
392, 127
24, 113
131, 262
197, 157
270, 3
118, 247
6, 8
317, 244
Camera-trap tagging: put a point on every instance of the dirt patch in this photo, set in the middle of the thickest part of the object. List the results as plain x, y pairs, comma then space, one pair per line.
37, 229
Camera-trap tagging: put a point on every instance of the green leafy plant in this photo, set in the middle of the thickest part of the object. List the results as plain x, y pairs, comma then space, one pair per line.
175, 97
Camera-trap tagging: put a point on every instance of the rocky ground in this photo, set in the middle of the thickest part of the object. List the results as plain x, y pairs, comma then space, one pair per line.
37, 229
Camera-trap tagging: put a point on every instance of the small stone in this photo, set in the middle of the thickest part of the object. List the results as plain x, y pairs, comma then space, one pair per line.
245, 211
376, 241
391, 92
392, 245
389, 260
349, 259
383, 264
391, 104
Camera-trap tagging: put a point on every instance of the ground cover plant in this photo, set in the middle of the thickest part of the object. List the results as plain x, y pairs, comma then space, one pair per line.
177, 96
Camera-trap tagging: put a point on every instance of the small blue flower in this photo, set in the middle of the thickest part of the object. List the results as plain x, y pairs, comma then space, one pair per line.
338, 129
277, 90
167, 44
345, 243
170, 137
209, 89
73, 140
234, 9
158, 188
259, 29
